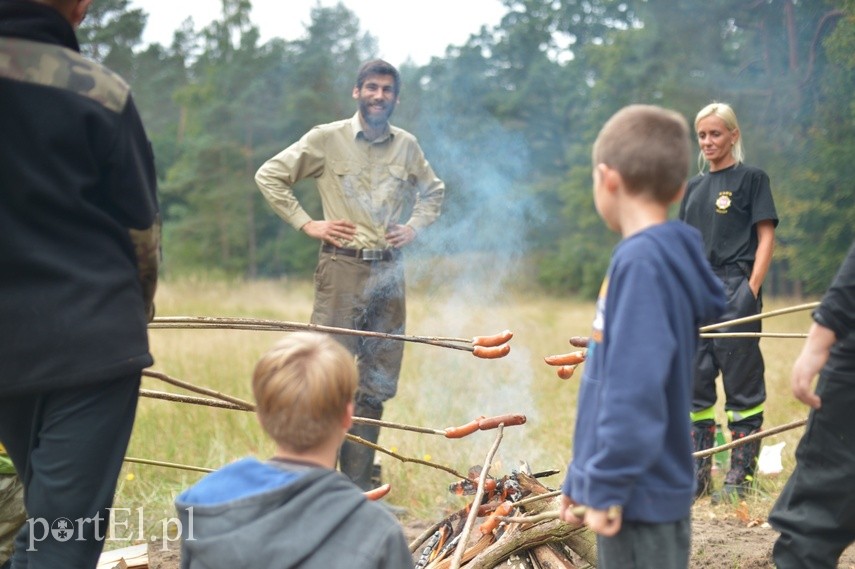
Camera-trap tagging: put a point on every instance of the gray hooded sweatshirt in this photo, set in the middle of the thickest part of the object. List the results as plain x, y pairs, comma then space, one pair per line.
266, 515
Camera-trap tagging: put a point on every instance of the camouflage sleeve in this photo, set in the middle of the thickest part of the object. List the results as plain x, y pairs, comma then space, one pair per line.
147, 248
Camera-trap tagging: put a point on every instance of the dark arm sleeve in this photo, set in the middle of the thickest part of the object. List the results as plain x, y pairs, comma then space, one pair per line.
837, 309
133, 196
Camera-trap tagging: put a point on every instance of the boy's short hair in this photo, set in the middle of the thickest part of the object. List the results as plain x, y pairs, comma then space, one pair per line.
302, 387
650, 147
378, 67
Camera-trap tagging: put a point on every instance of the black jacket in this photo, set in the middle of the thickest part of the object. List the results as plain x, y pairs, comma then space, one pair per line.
78, 211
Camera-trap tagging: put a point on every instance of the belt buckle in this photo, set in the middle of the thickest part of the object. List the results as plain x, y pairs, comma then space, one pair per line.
371, 254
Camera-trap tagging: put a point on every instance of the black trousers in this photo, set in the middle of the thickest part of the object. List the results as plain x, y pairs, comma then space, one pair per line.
738, 359
67, 446
815, 511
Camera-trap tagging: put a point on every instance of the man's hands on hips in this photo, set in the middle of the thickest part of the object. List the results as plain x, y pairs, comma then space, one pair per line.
341, 231
336, 233
400, 235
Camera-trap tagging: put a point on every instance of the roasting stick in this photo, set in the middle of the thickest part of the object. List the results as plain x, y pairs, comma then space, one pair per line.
393, 454
486, 347
167, 464
752, 335
479, 495
537, 498
760, 316
264, 324
748, 438
245, 405
578, 511
225, 401
176, 398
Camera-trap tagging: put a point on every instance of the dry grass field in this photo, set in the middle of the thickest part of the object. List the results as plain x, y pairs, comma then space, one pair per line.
439, 387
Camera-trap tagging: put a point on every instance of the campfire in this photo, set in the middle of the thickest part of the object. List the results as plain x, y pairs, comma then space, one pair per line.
518, 527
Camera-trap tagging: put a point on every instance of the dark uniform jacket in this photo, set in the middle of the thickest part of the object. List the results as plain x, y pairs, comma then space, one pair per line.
78, 211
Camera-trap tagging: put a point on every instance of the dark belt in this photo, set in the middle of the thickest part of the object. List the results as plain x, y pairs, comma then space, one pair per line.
363, 254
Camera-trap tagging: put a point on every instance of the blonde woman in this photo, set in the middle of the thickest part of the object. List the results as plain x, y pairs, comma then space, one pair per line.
731, 204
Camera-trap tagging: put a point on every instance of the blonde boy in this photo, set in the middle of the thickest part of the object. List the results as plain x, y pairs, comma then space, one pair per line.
294, 510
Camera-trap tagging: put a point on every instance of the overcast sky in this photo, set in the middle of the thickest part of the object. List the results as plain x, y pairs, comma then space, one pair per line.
417, 29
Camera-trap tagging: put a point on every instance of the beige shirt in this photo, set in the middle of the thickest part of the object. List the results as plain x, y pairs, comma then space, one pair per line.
373, 184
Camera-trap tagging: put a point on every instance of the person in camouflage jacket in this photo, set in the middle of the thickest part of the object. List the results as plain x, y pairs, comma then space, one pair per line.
80, 248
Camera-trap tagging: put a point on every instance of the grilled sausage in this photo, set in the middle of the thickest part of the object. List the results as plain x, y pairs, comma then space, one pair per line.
573, 358
491, 353
508, 420
492, 522
579, 341
378, 492
566, 372
462, 430
494, 340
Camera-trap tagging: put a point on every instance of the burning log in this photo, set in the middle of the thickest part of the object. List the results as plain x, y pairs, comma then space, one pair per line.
531, 537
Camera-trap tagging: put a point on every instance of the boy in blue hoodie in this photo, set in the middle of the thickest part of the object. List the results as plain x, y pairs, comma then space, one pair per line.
632, 467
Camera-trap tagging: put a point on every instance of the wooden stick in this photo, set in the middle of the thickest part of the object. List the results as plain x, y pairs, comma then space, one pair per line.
197, 389
537, 498
224, 401
544, 517
578, 538
199, 322
578, 511
479, 495
760, 316
378, 448
190, 399
747, 439
719, 335
167, 464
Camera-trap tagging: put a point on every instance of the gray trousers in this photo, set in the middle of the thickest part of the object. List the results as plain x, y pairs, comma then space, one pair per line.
364, 295
647, 546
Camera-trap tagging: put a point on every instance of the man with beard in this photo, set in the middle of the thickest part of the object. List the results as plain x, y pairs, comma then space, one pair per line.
370, 176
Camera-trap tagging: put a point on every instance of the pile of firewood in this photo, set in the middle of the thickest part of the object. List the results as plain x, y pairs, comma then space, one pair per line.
518, 529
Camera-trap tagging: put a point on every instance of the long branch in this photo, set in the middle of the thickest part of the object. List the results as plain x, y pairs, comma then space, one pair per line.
760, 316
225, 401
247, 406
749, 438
479, 495
720, 335
200, 322
167, 464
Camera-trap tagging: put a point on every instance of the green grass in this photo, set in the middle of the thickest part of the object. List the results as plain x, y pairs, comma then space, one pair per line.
438, 388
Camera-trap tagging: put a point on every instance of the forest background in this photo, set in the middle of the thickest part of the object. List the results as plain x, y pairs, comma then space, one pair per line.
506, 119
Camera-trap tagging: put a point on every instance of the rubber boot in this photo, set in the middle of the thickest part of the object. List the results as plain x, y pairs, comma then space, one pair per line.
743, 462
703, 438
356, 460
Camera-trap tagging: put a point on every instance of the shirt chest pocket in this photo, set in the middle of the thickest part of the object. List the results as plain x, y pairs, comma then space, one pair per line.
347, 173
